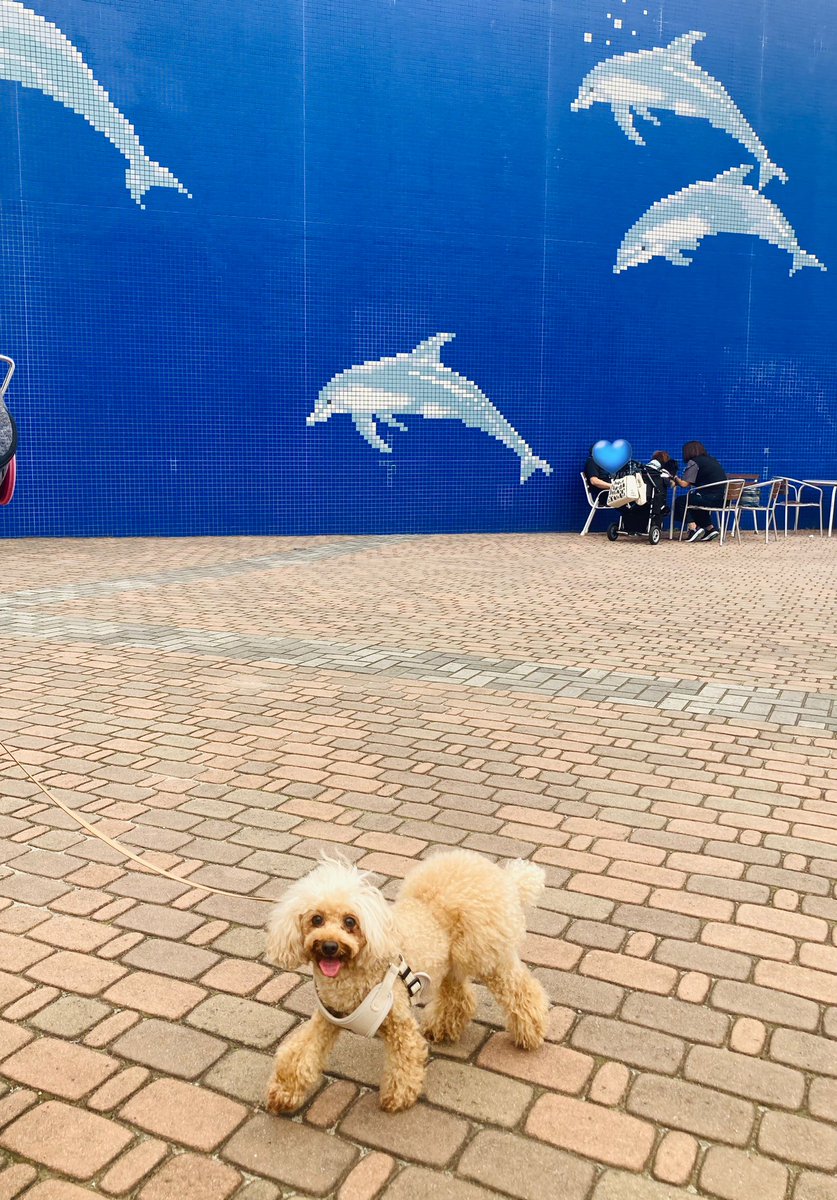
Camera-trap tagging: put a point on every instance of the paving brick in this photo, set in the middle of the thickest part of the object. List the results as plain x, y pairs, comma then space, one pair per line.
799, 980
694, 987
628, 1043
331, 1103
430, 1185
158, 995
804, 1050
739, 1175
181, 1112
159, 921
70, 1016
243, 1074
241, 1020
678, 1018
676, 1157
111, 1028
609, 1084
163, 957
12, 1037
822, 1099
13, 1104
111, 1094
591, 1130
57, 1189
475, 1093
549, 1066
191, 1177
615, 1185
748, 1036
812, 1185
74, 972
776, 1008
745, 1076
799, 1140
74, 933
168, 1047
17, 952
65, 1139
576, 991
694, 1109
518, 1167
133, 1167
755, 942
367, 1178
14, 1179
630, 972
694, 956
59, 1067
237, 975
421, 1133
293, 1154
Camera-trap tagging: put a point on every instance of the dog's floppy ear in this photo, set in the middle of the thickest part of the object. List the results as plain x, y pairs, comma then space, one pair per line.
376, 923
284, 931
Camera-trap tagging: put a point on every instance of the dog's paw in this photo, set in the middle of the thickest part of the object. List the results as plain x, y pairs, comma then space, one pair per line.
398, 1099
282, 1098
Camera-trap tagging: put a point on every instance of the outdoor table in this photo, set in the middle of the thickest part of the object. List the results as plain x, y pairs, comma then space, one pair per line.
832, 483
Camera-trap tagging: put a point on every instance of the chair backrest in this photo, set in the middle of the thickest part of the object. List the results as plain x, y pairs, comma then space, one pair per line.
734, 489
591, 499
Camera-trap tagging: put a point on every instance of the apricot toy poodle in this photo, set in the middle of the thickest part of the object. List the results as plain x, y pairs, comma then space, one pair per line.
457, 917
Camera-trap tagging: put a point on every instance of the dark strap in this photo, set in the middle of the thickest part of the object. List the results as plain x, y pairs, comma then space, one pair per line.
412, 984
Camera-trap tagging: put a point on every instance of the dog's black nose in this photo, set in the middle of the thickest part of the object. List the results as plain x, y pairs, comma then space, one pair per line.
330, 949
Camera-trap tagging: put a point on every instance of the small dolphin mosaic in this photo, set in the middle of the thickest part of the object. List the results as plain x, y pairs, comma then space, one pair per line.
417, 383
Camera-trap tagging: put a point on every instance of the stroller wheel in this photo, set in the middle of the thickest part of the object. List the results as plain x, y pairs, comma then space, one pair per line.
7, 482
612, 533
654, 535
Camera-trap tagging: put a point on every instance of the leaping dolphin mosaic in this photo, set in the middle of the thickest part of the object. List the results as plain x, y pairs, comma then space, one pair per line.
417, 383
36, 54
725, 204
667, 78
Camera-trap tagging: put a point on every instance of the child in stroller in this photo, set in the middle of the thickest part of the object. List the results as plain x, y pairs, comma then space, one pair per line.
646, 520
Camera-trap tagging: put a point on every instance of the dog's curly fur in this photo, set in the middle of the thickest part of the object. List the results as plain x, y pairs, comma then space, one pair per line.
457, 917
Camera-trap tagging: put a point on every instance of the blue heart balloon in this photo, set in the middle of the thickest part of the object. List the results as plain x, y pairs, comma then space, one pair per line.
612, 456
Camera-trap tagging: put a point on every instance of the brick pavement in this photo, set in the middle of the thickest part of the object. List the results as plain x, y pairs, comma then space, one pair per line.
228, 707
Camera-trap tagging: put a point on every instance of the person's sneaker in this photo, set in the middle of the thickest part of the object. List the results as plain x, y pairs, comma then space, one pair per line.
695, 535
711, 535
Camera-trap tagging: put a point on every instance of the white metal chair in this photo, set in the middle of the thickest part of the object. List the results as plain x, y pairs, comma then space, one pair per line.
727, 510
597, 501
794, 495
769, 492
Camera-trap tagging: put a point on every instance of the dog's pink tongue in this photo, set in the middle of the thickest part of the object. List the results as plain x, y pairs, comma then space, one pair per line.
330, 967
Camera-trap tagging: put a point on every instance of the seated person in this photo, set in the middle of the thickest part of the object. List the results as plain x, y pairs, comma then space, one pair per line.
598, 479
701, 471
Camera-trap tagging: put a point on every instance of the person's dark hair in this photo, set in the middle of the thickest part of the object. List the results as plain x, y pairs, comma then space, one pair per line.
662, 456
693, 450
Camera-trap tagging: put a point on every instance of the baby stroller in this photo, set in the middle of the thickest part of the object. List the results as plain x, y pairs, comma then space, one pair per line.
638, 518
8, 439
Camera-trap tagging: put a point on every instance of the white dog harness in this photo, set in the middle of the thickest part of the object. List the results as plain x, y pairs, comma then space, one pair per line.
371, 1013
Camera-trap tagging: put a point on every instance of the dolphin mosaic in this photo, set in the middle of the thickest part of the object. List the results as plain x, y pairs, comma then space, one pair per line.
36, 54
666, 78
725, 204
417, 383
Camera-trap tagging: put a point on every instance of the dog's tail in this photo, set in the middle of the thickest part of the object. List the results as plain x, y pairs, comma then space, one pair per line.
529, 880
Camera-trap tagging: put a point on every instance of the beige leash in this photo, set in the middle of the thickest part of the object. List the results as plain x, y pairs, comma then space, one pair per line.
112, 842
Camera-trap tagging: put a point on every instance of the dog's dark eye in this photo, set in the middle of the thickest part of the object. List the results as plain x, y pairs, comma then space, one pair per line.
349, 922
317, 920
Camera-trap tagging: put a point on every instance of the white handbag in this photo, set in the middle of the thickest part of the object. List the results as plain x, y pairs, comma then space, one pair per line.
628, 489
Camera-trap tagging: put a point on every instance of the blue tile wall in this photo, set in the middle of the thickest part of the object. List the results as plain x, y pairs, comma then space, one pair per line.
365, 174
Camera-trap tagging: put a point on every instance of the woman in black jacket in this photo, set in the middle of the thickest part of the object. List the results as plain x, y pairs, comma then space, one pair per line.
701, 471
